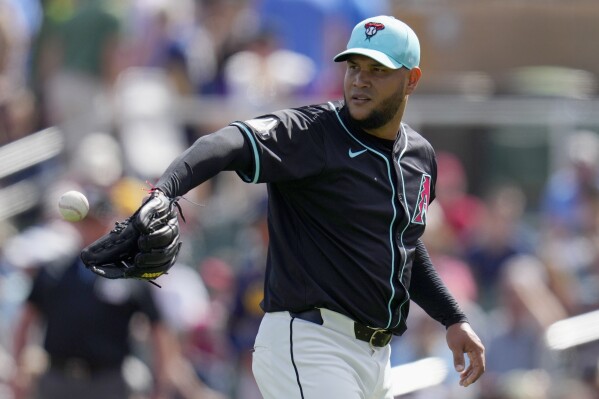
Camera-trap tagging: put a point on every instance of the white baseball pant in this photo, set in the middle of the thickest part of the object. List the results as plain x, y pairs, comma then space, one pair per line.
298, 359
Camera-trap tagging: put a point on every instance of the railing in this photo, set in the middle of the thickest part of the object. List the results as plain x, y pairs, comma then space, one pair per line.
19, 155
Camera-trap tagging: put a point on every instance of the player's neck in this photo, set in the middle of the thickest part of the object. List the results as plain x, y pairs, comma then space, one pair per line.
391, 129
387, 132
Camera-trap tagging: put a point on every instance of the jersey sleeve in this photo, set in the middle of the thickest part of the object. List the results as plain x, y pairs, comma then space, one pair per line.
225, 149
430, 293
285, 145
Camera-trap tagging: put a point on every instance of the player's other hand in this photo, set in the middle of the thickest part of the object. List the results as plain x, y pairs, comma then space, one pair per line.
461, 339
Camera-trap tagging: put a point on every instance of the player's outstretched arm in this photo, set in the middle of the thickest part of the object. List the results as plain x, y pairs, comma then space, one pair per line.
461, 340
225, 149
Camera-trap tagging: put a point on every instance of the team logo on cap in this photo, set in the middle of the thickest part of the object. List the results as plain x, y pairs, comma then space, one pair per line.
372, 28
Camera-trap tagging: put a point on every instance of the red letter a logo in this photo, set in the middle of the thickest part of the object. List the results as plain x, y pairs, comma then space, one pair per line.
423, 198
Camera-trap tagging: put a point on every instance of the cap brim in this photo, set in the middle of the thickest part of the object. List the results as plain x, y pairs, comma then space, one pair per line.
376, 55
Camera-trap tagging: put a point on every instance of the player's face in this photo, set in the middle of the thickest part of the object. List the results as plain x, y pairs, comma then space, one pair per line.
375, 95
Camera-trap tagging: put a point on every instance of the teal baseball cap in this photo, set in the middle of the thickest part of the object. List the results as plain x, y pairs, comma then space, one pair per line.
386, 40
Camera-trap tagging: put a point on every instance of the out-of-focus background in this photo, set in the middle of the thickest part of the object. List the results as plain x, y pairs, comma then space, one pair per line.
100, 96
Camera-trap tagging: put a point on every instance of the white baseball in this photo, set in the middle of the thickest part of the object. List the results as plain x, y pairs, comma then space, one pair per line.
73, 206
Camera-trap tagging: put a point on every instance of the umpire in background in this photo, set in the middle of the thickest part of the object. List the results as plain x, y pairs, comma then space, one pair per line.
86, 323
349, 186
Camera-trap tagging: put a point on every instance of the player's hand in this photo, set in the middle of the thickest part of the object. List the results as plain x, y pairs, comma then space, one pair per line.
462, 339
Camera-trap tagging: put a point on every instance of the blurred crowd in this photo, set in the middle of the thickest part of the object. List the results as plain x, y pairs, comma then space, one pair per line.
108, 74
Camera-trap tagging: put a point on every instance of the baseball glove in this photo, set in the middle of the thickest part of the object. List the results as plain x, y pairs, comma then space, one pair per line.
143, 246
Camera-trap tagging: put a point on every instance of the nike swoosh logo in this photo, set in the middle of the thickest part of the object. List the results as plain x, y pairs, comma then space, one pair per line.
353, 154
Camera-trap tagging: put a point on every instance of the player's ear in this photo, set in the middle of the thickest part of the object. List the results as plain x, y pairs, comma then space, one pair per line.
413, 78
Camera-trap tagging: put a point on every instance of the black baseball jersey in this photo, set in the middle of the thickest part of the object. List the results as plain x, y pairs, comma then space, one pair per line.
345, 216
346, 211
88, 317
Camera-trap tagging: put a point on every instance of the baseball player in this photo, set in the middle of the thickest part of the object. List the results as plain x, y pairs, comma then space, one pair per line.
349, 186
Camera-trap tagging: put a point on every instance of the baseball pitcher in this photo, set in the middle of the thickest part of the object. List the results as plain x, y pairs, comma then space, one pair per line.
349, 186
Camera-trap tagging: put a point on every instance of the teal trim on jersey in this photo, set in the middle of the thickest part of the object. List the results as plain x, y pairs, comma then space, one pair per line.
254, 149
391, 243
407, 207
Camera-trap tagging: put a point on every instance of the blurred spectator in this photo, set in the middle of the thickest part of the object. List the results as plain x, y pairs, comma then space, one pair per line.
527, 307
497, 236
86, 320
157, 40
571, 190
146, 121
221, 29
185, 303
246, 312
18, 24
208, 348
78, 64
264, 73
570, 221
462, 210
573, 264
441, 242
316, 29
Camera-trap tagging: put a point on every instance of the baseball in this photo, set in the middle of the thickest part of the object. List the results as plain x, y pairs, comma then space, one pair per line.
73, 206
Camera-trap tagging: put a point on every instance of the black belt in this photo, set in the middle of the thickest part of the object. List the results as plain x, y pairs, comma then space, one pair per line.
80, 368
374, 336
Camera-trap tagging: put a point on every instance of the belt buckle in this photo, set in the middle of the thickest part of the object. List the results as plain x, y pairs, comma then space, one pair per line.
386, 338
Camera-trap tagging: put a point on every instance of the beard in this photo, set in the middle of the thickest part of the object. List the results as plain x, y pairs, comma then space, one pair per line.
382, 114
